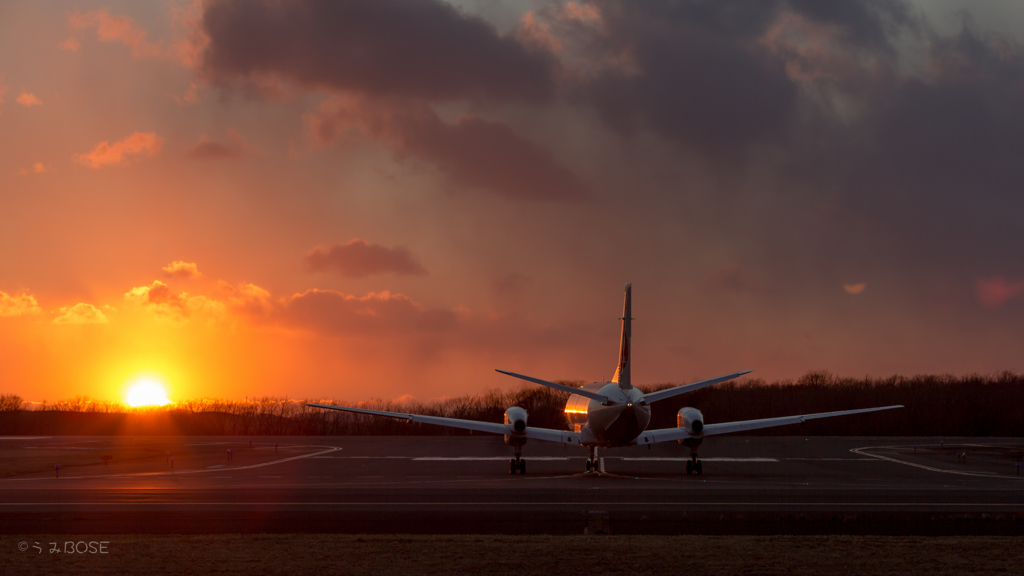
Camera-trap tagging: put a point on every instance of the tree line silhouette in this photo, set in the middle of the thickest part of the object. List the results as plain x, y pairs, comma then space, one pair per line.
946, 405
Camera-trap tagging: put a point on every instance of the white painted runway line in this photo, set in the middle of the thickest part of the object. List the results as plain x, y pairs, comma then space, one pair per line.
657, 459
864, 451
485, 458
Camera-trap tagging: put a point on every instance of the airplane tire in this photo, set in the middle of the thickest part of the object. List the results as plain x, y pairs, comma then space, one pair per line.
689, 467
522, 466
699, 468
512, 467
588, 465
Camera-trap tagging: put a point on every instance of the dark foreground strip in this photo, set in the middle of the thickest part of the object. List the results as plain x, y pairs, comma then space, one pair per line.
515, 521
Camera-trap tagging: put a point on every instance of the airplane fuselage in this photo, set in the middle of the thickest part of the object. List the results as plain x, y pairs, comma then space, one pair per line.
617, 423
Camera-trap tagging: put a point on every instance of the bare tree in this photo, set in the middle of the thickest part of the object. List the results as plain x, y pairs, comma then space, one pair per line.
10, 402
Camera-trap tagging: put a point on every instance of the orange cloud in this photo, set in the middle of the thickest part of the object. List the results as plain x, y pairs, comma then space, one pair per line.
995, 291
191, 96
116, 29
36, 168
28, 100
189, 39
157, 294
19, 305
582, 12
855, 288
81, 313
107, 154
71, 44
182, 269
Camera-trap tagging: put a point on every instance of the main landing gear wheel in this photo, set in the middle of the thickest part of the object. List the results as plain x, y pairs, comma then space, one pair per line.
512, 466
590, 465
522, 466
698, 468
689, 467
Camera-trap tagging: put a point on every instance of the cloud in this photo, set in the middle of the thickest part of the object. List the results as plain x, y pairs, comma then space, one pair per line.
996, 291
854, 288
332, 312
212, 149
18, 305
3, 89
28, 100
191, 95
181, 269
729, 278
426, 50
359, 258
71, 44
159, 299
184, 49
472, 151
116, 29
37, 168
81, 313
121, 152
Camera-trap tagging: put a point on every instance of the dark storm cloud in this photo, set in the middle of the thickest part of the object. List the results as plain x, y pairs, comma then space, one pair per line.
424, 49
917, 150
471, 151
359, 258
705, 73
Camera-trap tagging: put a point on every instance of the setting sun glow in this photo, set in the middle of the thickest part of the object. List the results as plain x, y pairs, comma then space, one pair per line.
146, 392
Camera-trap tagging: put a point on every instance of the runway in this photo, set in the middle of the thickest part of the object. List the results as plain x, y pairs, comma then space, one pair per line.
461, 484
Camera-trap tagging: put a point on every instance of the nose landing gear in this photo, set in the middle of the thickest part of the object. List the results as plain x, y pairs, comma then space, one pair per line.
694, 466
517, 464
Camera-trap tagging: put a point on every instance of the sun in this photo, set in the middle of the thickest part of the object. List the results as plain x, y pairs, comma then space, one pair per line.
146, 392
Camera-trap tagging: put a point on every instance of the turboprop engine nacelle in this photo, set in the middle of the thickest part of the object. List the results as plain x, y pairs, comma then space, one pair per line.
692, 420
515, 419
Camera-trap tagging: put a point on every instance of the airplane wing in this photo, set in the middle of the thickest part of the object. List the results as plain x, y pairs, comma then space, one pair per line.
586, 393
532, 432
670, 392
669, 434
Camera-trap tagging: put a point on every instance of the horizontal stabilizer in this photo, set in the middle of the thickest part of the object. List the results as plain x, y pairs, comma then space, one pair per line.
586, 393
670, 392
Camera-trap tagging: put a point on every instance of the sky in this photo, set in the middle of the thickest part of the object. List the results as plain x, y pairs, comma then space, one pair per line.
390, 199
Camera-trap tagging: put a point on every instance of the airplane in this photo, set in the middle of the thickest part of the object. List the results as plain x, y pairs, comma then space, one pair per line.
610, 414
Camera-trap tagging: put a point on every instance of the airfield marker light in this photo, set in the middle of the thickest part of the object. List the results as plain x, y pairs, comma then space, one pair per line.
56, 470
172, 463
250, 442
1018, 468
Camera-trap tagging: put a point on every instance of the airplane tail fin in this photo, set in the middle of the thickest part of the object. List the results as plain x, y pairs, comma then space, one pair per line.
622, 371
